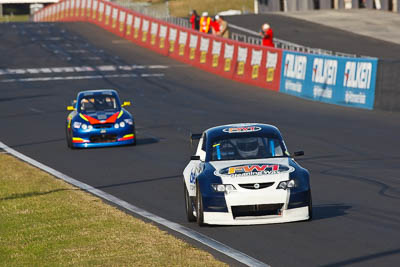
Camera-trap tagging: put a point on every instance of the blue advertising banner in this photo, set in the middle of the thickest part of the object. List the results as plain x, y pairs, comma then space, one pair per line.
336, 80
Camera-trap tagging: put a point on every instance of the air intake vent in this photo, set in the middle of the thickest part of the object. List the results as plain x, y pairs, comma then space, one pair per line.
256, 185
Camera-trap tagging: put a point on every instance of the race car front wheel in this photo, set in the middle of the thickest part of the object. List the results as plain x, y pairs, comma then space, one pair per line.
199, 206
189, 206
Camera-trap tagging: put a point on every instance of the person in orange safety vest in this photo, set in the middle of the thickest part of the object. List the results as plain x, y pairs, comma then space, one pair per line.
205, 22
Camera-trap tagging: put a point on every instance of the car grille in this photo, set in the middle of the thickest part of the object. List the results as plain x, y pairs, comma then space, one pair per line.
254, 185
256, 210
104, 138
102, 126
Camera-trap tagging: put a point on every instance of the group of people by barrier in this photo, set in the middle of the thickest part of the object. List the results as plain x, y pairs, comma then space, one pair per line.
219, 26
206, 24
331, 79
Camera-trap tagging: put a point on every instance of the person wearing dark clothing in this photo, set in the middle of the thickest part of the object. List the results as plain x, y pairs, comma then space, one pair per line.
195, 20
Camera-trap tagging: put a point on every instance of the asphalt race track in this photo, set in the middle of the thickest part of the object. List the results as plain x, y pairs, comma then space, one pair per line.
353, 155
318, 36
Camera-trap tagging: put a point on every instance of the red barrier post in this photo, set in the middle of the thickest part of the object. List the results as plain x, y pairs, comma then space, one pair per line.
121, 23
162, 46
66, 11
71, 9
145, 31
193, 44
183, 48
129, 25
88, 10
136, 28
243, 63
98, 16
114, 19
107, 19
93, 11
172, 35
62, 9
58, 10
81, 12
77, 9
154, 33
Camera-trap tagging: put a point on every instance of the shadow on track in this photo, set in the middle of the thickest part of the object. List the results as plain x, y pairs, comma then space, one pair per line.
321, 212
33, 194
363, 258
146, 141
39, 143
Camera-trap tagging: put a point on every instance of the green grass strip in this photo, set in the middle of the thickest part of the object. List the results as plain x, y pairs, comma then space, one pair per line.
47, 222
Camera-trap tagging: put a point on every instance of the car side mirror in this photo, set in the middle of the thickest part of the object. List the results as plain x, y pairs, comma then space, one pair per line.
194, 157
126, 103
70, 108
298, 153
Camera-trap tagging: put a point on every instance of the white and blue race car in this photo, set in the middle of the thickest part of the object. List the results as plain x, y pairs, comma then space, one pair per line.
243, 174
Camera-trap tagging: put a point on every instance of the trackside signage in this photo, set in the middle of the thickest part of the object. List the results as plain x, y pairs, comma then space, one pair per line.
335, 80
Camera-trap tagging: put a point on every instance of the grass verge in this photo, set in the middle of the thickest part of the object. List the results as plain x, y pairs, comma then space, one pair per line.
182, 8
16, 18
47, 222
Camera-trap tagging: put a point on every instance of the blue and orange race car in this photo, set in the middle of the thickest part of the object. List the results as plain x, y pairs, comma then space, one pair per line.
99, 119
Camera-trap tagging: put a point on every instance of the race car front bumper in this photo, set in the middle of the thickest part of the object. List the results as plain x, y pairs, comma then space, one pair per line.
226, 218
262, 207
103, 138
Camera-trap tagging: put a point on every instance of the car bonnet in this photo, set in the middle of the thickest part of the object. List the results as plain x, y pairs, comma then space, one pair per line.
250, 171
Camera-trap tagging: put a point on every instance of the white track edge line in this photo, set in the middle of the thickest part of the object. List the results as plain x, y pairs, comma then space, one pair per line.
212, 243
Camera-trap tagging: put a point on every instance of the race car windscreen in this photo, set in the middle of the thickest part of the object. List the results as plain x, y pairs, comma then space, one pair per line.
95, 103
246, 148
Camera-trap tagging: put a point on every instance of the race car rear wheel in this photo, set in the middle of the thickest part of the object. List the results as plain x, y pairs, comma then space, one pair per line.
68, 138
189, 206
199, 207
134, 140
310, 206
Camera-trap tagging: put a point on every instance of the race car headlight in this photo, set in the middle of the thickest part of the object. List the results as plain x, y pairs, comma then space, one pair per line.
129, 121
116, 126
223, 187
77, 124
122, 124
90, 127
84, 126
286, 184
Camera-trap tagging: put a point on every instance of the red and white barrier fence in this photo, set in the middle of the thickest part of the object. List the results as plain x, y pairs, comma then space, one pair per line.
256, 65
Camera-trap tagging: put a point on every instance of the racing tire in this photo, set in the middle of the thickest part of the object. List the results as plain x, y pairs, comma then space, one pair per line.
68, 139
310, 212
134, 141
199, 207
188, 206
